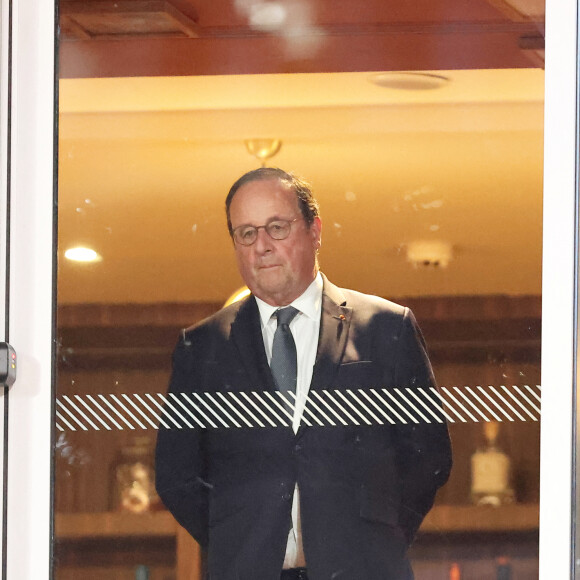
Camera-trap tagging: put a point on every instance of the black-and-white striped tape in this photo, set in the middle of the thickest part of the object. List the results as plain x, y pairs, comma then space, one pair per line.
325, 408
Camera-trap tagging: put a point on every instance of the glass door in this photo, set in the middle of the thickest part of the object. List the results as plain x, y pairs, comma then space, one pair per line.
423, 133
422, 130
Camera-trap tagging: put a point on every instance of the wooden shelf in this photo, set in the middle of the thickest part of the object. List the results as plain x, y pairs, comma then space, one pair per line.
103, 527
482, 519
441, 519
114, 525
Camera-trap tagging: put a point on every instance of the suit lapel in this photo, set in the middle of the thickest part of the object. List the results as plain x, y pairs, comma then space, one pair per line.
334, 327
246, 333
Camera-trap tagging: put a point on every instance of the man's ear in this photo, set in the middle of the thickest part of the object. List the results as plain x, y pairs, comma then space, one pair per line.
316, 231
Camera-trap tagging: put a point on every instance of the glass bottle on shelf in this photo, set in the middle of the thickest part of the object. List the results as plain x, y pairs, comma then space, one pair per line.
133, 478
142, 572
490, 471
504, 569
454, 572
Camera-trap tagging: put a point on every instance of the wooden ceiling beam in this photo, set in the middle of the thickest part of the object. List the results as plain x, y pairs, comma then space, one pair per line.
429, 49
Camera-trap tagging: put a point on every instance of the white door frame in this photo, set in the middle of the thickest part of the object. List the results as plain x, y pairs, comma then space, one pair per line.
4, 236
559, 291
30, 316
30, 60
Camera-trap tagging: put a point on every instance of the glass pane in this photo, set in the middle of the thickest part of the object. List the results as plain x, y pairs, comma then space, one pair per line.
420, 127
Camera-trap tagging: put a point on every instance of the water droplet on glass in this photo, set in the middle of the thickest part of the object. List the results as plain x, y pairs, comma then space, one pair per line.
436, 203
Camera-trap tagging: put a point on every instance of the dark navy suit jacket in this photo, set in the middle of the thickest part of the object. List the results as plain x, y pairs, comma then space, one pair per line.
364, 489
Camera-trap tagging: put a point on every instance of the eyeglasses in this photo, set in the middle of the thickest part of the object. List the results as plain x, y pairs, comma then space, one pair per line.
276, 229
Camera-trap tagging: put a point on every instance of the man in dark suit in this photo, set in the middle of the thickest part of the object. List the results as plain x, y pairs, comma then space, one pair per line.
333, 494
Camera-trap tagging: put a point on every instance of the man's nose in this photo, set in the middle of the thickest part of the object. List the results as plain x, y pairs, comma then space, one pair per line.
263, 241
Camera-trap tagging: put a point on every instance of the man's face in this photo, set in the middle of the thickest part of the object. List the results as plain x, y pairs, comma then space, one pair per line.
276, 271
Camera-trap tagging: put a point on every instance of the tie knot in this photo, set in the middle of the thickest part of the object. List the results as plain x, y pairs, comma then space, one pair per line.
286, 315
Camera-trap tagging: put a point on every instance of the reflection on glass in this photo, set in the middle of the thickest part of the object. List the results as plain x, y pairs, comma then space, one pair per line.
430, 198
133, 482
490, 471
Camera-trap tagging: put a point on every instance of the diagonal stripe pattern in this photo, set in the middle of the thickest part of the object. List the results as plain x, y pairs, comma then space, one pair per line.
324, 408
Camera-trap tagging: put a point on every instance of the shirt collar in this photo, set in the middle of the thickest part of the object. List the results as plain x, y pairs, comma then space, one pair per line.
309, 302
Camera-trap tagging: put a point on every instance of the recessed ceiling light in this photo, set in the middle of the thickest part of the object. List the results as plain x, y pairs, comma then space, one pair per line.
409, 81
81, 254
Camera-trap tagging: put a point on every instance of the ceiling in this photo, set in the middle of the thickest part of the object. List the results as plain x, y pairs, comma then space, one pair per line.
190, 37
145, 164
157, 98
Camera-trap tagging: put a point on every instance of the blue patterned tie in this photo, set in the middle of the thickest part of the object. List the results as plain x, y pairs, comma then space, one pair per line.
283, 363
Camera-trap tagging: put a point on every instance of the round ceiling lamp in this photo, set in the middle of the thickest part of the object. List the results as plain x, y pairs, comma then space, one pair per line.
80, 254
409, 81
263, 149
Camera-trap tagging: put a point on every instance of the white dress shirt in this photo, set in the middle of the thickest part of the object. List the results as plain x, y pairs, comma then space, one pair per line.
305, 328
